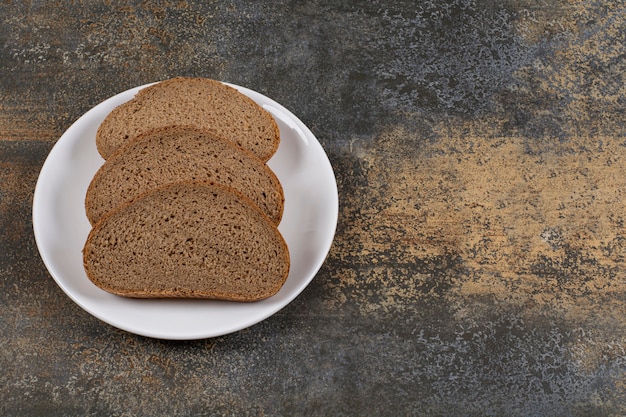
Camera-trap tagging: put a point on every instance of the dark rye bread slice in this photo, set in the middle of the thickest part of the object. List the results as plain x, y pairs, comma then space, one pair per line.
197, 102
174, 154
187, 240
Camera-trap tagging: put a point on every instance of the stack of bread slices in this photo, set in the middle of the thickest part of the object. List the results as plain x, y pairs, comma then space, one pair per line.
185, 205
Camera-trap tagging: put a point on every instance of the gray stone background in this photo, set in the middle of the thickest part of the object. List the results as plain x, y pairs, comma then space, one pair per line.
478, 267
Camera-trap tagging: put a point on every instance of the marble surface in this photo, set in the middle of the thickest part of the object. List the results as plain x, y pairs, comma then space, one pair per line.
479, 263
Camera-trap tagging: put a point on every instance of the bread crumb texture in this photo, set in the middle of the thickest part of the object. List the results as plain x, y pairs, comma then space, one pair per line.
174, 154
197, 102
188, 240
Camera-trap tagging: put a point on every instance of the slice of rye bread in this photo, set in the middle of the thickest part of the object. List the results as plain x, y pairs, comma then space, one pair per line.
187, 240
174, 154
197, 102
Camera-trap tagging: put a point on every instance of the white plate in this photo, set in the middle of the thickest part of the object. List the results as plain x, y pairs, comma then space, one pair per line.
61, 227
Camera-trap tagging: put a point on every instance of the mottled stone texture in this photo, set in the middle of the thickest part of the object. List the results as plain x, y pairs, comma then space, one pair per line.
479, 263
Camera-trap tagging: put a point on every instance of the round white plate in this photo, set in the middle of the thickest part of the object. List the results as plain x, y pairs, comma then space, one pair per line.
61, 227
